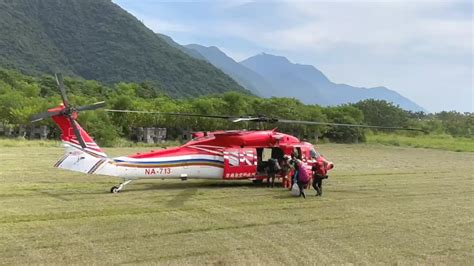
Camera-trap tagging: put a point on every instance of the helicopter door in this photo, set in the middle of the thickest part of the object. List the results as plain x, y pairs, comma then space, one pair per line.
297, 152
240, 163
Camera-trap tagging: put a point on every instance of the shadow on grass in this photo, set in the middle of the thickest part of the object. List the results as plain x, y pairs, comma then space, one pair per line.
55, 195
187, 189
196, 185
286, 195
181, 198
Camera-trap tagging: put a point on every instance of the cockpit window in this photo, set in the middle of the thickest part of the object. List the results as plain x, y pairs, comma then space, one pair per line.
313, 153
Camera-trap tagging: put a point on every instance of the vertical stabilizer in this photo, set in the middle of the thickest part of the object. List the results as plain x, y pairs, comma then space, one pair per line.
70, 139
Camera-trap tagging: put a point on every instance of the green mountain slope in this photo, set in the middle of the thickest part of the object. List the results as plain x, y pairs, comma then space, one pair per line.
243, 75
96, 39
184, 49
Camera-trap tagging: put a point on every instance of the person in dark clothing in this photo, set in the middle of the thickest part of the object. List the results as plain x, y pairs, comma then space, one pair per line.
318, 184
272, 169
301, 186
319, 173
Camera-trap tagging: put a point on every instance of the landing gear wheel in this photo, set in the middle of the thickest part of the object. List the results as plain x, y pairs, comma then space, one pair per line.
117, 189
114, 189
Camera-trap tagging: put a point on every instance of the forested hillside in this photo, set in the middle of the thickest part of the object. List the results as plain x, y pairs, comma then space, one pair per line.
22, 96
96, 39
184, 49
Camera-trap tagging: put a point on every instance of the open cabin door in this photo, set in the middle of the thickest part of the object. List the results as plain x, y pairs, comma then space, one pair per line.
240, 163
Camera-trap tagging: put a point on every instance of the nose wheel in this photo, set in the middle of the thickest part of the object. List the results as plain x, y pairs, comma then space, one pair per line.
117, 189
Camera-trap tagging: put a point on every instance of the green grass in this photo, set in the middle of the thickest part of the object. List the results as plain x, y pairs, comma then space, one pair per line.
380, 205
441, 142
21, 142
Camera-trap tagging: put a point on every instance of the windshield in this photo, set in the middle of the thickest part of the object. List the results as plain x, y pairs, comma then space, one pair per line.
313, 153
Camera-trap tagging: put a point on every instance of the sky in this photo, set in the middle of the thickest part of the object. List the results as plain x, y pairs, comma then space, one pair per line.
421, 49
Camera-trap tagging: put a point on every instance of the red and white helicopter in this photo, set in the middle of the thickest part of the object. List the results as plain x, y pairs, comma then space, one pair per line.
228, 155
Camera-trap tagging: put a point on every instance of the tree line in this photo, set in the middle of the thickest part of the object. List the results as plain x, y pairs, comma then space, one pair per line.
21, 96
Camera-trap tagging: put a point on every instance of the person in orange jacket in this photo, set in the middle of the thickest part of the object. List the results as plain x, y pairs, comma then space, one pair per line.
286, 171
319, 170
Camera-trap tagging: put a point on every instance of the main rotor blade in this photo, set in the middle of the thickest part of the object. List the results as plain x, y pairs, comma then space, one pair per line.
167, 113
267, 120
228, 117
255, 119
91, 106
60, 82
347, 125
43, 115
77, 132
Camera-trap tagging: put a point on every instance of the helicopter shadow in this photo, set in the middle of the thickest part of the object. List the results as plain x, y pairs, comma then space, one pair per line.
181, 198
190, 189
54, 195
196, 185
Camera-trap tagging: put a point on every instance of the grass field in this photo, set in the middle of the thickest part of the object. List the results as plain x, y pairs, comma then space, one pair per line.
380, 204
440, 142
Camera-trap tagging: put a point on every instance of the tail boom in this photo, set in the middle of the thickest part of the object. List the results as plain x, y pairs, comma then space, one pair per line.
79, 160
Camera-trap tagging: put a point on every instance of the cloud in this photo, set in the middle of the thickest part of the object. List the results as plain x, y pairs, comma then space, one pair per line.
421, 49
380, 27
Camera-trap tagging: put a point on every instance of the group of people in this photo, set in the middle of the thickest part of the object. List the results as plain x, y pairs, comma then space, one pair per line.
293, 172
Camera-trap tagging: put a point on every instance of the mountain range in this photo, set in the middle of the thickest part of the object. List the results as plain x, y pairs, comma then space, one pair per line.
275, 76
311, 86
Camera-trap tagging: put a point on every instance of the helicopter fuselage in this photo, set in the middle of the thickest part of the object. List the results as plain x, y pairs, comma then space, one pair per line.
228, 155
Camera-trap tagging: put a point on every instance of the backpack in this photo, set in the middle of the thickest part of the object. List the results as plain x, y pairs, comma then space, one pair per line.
320, 168
303, 176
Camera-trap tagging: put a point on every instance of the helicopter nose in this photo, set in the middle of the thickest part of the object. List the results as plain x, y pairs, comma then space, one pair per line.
330, 166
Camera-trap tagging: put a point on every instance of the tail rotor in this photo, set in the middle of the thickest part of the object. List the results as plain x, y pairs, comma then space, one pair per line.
67, 110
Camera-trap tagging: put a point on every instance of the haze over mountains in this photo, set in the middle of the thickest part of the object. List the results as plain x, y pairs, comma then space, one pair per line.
275, 76
311, 86
268, 75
